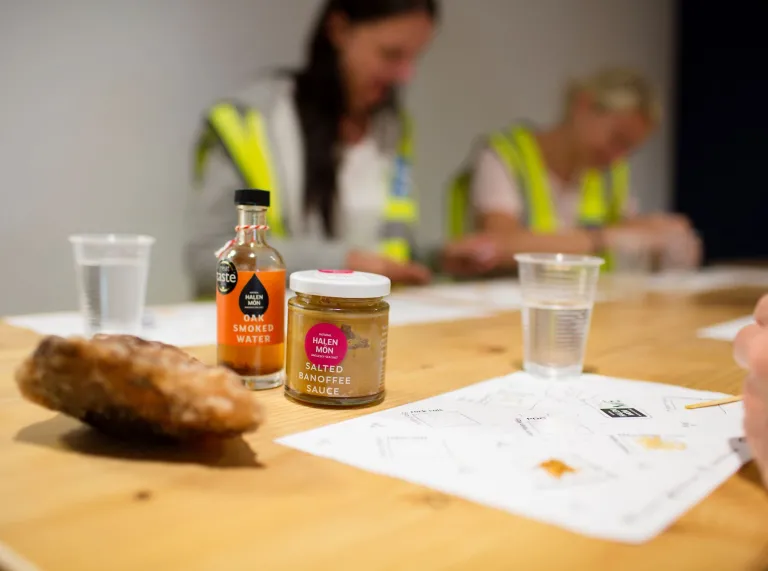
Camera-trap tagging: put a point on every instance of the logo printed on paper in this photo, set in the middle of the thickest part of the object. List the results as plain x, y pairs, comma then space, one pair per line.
619, 409
623, 413
325, 344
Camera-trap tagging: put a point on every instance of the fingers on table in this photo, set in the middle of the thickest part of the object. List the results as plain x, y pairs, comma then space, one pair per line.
742, 343
761, 311
750, 348
756, 418
757, 353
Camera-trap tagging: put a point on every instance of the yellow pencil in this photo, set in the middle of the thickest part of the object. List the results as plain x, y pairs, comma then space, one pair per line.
717, 402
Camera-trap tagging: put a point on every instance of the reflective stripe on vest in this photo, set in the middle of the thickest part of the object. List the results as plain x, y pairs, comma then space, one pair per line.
620, 184
244, 138
401, 208
458, 204
603, 196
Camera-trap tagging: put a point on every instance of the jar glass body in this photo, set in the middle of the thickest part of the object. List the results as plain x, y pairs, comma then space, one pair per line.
336, 350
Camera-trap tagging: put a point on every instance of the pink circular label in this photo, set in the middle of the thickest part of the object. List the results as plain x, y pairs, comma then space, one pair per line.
336, 271
325, 344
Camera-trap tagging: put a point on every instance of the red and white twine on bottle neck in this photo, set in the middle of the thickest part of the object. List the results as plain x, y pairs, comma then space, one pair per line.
220, 251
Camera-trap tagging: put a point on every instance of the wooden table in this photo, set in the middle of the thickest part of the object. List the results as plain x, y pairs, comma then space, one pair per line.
72, 500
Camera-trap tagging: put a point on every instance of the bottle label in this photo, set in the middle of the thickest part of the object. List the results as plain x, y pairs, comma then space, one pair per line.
250, 306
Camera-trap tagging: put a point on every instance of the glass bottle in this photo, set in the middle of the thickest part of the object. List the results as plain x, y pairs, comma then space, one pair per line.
250, 298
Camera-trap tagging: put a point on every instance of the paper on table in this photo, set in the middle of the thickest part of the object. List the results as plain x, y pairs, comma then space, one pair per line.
63, 324
494, 294
184, 325
608, 458
405, 311
707, 279
693, 282
755, 277
726, 331
194, 324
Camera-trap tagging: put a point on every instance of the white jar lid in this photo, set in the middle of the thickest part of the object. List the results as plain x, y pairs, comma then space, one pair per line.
340, 283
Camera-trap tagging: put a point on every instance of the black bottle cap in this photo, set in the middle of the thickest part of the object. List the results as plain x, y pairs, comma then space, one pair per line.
252, 196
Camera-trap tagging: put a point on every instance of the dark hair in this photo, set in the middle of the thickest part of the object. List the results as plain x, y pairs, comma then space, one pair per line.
321, 101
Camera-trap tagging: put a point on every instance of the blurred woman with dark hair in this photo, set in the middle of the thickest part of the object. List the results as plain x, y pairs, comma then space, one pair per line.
330, 142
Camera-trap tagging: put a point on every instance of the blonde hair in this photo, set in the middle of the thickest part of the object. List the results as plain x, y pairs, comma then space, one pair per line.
618, 89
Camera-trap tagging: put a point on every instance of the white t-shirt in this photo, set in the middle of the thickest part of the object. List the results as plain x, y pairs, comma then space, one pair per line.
362, 195
495, 191
362, 186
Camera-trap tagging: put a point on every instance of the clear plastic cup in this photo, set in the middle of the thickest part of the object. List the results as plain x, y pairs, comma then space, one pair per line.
112, 280
632, 265
680, 259
558, 293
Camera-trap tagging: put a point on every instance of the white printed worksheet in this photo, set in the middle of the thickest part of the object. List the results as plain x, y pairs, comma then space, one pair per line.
608, 458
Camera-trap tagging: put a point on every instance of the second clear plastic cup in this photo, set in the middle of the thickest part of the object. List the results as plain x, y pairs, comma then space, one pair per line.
681, 258
112, 274
558, 293
632, 260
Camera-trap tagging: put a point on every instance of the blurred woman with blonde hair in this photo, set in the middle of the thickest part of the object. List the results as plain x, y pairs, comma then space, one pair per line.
565, 188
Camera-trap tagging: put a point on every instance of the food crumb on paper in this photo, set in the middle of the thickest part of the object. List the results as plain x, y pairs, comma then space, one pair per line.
557, 468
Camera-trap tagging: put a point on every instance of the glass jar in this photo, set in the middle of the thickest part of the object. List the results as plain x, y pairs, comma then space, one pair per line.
337, 338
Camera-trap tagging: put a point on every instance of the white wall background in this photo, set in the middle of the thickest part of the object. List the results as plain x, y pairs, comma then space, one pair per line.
100, 99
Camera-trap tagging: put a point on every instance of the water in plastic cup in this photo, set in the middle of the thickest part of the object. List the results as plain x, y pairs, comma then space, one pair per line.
112, 280
558, 292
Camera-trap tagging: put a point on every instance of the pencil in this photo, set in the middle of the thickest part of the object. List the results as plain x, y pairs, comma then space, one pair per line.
717, 402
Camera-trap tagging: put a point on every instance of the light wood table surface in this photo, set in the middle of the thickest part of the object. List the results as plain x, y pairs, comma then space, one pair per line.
72, 500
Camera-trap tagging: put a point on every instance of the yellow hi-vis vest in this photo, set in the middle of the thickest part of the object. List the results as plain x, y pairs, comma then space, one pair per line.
603, 194
243, 134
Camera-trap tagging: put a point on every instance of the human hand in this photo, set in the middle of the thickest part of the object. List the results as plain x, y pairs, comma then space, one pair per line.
661, 222
473, 255
682, 252
668, 236
409, 273
633, 241
750, 349
682, 247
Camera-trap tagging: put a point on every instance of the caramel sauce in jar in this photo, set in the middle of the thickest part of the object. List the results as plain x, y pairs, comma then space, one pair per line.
338, 325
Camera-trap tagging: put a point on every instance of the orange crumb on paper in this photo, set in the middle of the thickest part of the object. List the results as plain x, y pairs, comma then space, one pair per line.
656, 443
556, 468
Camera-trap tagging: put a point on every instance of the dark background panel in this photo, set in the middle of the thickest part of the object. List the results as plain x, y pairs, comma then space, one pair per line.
721, 148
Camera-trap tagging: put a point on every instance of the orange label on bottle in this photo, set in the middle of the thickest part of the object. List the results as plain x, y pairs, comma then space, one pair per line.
250, 306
